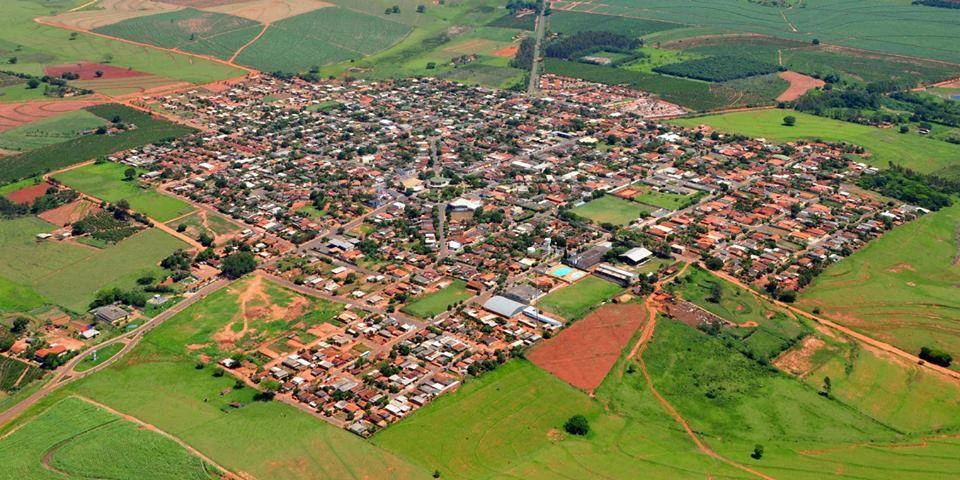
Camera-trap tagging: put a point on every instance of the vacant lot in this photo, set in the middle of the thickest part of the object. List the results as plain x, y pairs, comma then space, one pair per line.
884, 144
583, 354
202, 221
106, 181
68, 274
670, 201
575, 301
610, 209
437, 302
74, 439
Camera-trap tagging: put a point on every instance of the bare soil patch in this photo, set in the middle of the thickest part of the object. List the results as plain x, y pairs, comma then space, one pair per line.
107, 12
202, 3
799, 360
268, 11
582, 354
799, 84
68, 214
506, 52
16, 114
88, 71
27, 195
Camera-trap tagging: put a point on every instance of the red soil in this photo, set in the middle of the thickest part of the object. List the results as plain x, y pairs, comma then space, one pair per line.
68, 214
506, 52
799, 84
27, 195
582, 354
16, 114
88, 71
203, 3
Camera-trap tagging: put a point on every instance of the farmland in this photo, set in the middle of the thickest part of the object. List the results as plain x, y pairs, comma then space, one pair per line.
610, 209
884, 145
575, 301
106, 181
18, 298
76, 439
50, 130
437, 302
52, 157
571, 22
901, 288
16, 374
718, 69
69, 275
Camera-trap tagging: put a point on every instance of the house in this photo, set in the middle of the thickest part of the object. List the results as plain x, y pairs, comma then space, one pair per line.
110, 314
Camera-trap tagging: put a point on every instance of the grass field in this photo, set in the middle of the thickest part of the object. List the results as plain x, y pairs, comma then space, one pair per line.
610, 209
103, 354
74, 439
106, 182
52, 157
41, 45
575, 301
205, 222
69, 275
670, 201
901, 288
321, 37
885, 145
50, 130
437, 302
18, 298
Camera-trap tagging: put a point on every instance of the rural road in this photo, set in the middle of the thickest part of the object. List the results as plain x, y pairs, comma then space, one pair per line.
65, 374
533, 85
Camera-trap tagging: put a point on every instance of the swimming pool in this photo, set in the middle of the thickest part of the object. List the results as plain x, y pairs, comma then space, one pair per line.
561, 272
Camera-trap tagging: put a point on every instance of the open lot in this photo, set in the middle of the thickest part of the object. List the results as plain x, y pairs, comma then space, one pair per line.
575, 301
68, 274
583, 354
106, 182
202, 221
884, 144
74, 439
437, 302
610, 209
670, 201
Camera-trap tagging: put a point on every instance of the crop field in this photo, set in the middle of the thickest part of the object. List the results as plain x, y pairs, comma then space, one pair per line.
321, 37
718, 69
74, 439
158, 383
16, 374
575, 301
89, 147
568, 22
437, 302
17, 114
734, 403
901, 288
106, 12
50, 130
68, 274
105, 181
18, 298
885, 145
610, 209
845, 23
42, 45
268, 11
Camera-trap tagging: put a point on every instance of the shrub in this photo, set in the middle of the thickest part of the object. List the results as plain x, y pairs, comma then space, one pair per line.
936, 356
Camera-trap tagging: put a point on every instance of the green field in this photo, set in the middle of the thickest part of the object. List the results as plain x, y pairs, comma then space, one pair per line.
74, 439
50, 130
575, 301
37, 45
103, 354
89, 147
901, 288
321, 37
572, 22
884, 144
670, 201
610, 209
437, 302
200, 222
69, 275
11, 371
18, 298
106, 182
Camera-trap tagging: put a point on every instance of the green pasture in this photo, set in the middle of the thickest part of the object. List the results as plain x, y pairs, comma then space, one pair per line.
437, 302
103, 354
610, 209
50, 130
18, 298
884, 144
575, 301
106, 181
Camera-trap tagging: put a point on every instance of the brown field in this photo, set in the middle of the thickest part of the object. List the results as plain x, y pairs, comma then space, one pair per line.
69, 213
17, 114
506, 52
27, 195
131, 85
268, 11
108, 12
799, 84
88, 71
582, 354
202, 3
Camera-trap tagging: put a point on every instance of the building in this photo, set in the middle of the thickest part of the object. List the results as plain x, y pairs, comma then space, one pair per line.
503, 306
587, 259
617, 275
523, 293
636, 256
110, 314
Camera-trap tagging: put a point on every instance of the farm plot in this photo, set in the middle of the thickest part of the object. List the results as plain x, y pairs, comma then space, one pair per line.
162, 386
268, 11
109, 12
191, 30
610, 209
50, 130
16, 374
321, 37
106, 181
884, 145
18, 298
13, 115
568, 22
437, 302
75, 439
718, 69
68, 274
575, 301
583, 354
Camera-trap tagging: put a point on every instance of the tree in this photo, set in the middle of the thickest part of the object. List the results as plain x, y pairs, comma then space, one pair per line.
33, 83
205, 239
19, 325
714, 263
181, 228
789, 120
129, 174
816, 41
716, 293
421, 8
238, 264
98, 73
577, 425
936, 356
757, 452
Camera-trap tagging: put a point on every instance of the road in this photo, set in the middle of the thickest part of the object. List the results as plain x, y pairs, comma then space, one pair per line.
65, 374
533, 85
